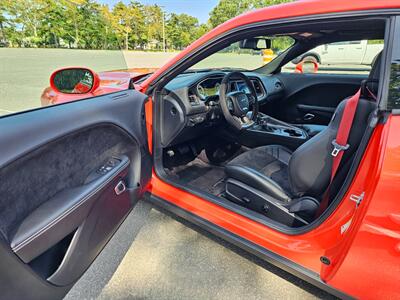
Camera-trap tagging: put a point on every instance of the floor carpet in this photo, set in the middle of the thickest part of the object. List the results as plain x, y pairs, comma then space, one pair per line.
202, 175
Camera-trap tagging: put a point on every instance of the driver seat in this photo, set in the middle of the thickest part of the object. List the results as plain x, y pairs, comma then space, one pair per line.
275, 173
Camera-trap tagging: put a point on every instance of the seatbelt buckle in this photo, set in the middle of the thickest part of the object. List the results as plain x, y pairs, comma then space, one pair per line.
337, 148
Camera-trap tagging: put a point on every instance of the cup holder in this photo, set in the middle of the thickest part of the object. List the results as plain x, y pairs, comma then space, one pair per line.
293, 132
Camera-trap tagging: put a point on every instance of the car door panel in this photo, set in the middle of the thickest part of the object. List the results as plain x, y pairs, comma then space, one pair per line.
314, 112
312, 98
69, 176
56, 218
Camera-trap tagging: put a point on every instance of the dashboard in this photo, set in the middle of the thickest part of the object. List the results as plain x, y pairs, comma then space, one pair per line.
191, 102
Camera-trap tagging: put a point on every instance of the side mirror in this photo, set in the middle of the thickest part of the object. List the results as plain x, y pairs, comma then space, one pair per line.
255, 44
74, 81
307, 67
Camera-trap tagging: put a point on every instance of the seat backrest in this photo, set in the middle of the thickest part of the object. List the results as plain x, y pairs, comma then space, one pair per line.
311, 164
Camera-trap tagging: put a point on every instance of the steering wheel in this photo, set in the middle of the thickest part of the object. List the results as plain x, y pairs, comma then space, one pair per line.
235, 105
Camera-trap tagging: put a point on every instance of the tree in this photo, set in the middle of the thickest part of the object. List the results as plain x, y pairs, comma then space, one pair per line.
182, 30
52, 29
93, 27
89, 25
227, 9
154, 18
109, 39
127, 21
138, 27
3, 19
202, 30
29, 14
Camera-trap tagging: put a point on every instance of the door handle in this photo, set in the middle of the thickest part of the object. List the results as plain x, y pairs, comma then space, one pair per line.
308, 117
120, 188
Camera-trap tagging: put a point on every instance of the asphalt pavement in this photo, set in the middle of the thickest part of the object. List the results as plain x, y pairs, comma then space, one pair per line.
156, 256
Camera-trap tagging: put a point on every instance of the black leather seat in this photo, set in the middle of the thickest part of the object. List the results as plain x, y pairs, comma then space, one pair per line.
265, 168
274, 171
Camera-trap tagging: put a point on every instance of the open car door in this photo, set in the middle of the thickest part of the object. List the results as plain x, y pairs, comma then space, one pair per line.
70, 174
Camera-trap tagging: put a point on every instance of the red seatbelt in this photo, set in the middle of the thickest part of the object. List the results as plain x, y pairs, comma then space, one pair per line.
340, 143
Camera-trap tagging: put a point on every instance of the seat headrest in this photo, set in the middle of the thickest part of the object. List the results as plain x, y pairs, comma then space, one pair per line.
369, 87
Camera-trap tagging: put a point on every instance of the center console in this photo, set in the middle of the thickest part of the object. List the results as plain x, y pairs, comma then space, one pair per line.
269, 131
270, 125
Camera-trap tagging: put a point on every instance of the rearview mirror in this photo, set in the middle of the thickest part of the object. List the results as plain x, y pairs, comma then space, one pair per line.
74, 81
255, 44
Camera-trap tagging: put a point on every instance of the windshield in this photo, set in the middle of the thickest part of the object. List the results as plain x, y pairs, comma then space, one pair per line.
233, 57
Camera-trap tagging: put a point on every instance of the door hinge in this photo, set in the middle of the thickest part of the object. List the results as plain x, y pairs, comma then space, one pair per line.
357, 198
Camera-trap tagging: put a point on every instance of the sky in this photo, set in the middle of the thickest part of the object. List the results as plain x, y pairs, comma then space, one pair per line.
197, 8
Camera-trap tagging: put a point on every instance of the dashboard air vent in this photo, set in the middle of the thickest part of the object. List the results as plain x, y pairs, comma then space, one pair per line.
259, 89
193, 100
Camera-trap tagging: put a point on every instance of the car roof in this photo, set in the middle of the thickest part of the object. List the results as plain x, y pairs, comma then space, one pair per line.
282, 11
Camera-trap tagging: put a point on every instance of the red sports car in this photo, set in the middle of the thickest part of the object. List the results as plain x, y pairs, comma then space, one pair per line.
300, 169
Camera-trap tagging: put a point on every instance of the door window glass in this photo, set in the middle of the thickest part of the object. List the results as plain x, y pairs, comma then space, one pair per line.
349, 57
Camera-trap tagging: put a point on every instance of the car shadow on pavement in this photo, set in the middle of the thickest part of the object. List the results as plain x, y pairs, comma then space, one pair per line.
90, 285
317, 292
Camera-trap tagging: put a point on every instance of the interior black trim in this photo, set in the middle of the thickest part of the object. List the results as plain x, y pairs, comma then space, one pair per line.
266, 255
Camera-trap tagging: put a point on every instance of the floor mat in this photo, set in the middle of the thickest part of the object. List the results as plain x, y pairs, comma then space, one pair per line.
201, 175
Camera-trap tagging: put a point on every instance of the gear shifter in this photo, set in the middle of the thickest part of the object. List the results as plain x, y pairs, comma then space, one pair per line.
262, 121
266, 125
272, 125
